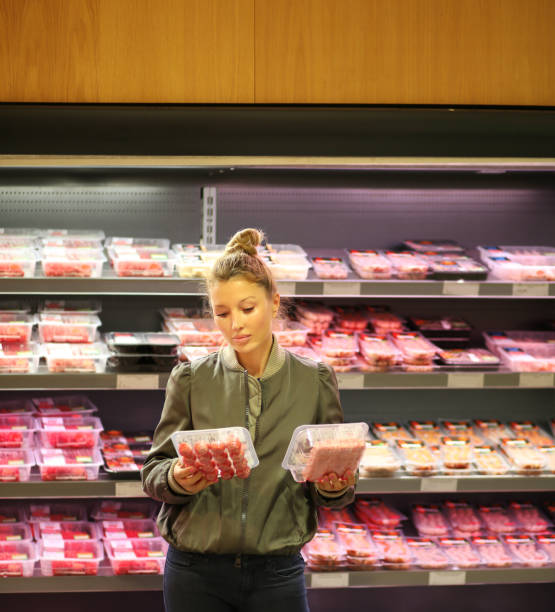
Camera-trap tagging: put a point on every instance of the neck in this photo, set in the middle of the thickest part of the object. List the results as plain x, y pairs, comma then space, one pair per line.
255, 361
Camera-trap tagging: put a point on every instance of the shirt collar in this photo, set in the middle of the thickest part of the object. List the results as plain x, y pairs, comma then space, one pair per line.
275, 360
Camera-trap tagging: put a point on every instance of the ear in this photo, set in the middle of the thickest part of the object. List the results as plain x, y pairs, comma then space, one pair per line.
275, 304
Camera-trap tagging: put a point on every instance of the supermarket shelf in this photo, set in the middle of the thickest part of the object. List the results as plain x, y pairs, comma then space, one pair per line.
451, 484
109, 284
316, 580
348, 380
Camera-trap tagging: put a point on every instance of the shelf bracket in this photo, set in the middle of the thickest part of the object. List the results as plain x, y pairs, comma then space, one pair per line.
209, 209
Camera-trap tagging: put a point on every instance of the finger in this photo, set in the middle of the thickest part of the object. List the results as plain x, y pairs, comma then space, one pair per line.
188, 470
191, 480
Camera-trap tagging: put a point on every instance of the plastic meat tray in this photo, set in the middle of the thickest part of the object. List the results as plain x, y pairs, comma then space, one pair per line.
75, 357
74, 431
62, 464
17, 559
15, 464
64, 405
16, 431
17, 263
137, 556
71, 558
54, 327
80, 263
330, 268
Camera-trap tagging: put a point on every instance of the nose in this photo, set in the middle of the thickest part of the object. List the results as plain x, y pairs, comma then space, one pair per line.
236, 322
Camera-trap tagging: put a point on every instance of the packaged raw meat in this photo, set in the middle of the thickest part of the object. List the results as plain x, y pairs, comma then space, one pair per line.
407, 265
65, 464
330, 267
524, 456
414, 348
525, 550
70, 243
115, 463
378, 515
291, 251
426, 554
17, 263
76, 234
360, 551
469, 358
137, 556
112, 510
427, 431
286, 268
289, 333
64, 405
546, 543
56, 511
392, 548
15, 532
444, 327
16, 464
217, 453
16, 431
383, 321
462, 517
54, 532
17, 559
188, 353
141, 262
454, 267
519, 360
379, 460
317, 450
126, 529
520, 339
378, 350
460, 552
66, 262
497, 519
11, 513
15, 328
418, 458
55, 327
429, 520
492, 431
304, 351
20, 233
548, 451
339, 344
72, 558
186, 249
315, 316
199, 332
529, 518
19, 407
531, 432
461, 429
324, 552
487, 460
327, 517
74, 431
16, 307
519, 263
370, 265
350, 319
457, 455
391, 432
64, 357
120, 243
89, 307
440, 246
191, 266
19, 358
492, 551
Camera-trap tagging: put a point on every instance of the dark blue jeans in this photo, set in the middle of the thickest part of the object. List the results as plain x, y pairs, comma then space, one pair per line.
213, 583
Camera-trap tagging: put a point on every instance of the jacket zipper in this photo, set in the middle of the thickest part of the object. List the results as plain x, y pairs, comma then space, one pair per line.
245, 492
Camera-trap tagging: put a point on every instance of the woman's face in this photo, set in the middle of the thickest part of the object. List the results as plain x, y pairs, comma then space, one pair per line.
243, 313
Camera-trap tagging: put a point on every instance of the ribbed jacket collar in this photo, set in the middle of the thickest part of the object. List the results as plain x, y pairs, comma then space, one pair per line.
275, 361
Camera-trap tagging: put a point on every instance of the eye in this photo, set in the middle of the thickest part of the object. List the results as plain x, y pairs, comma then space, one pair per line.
221, 314
248, 309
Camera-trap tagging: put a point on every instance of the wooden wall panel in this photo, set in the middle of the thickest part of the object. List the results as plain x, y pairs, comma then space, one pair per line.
144, 51
492, 52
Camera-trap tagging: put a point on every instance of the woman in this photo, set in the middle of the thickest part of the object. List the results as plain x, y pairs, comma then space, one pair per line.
234, 544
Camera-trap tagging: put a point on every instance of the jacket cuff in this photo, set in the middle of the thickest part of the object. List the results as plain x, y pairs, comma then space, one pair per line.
330, 494
172, 482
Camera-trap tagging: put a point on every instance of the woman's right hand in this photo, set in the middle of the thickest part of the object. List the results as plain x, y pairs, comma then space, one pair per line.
190, 479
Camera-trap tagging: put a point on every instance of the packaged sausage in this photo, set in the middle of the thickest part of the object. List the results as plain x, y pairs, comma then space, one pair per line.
426, 554
546, 543
360, 551
324, 552
462, 517
330, 267
457, 455
391, 432
549, 454
378, 515
429, 520
491, 430
217, 453
531, 432
497, 519
317, 450
492, 551
530, 519
488, 460
378, 350
392, 548
418, 458
525, 550
379, 460
427, 431
524, 456
460, 552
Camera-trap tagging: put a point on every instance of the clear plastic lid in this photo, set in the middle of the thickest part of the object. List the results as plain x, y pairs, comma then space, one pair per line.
54, 532
546, 542
70, 242
457, 454
122, 244
384, 321
217, 453
137, 556
159, 343
15, 464
317, 450
440, 246
379, 459
393, 548
525, 550
492, 551
377, 514
460, 552
20, 232
82, 553
418, 458
414, 347
69, 432
91, 307
529, 517
288, 269
462, 517
68, 464
491, 430
370, 264
487, 460
391, 432
15, 328
350, 318
330, 267
355, 540
461, 429
429, 520
57, 511
314, 311
289, 333
531, 432
85, 234
283, 250
339, 344
73, 328
427, 431
524, 456
15, 532
129, 529
17, 559
426, 554
200, 332
73, 263
378, 350
497, 519
142, 262
18, 357
64, 405
407, 265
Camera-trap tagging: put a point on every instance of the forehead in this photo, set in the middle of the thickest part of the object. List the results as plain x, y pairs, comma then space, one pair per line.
235, 290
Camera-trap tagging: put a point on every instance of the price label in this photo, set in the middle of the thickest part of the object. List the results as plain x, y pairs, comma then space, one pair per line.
465, 380
137, 381
129, 489
536, 379
346, 380
460, 288
286, 287
446, 578
342, 288
330, 580
530, 289
438, 485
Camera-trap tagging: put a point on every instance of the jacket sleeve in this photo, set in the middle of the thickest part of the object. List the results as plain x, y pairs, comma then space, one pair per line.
157, 480
330, 411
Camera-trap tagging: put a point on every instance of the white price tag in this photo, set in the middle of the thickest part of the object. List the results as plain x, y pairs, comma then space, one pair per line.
112, 525
446, 578
531, 289
465, 380
536, 379
286, 287
329, 580
460, 288
54, 554
436, 484
137, 381
342, 288
129, 489
347, 380
124, 556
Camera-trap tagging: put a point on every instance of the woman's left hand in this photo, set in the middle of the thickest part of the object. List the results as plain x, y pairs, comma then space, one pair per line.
332, 483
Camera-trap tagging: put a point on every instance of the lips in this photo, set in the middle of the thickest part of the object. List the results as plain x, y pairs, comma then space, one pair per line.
240, 338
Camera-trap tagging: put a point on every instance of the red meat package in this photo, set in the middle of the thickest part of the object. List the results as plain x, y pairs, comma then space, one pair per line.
350, 319
141, 556
426, 554
492, 551
360, 551
324, 552
53, 532
129, 529
525, 550
529, 518
460, 552
429, 520
393, 549
70, 558
327, 517
17, 559
463, 518
378, 515
497, 519
546, 542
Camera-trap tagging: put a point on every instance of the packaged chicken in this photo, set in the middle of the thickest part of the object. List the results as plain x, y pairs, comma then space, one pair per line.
378, 350
427, 431
391, 432
429, 520
324, 551
379, 460
492, 551
378, 515
392, 548
383, 321
462, 517
524, 456
330, 267
531, 432
457, 455
488, 460
426, 554
318, 450
491, 430
548, 451
414, 348
370, 265
461, 429
525, 550
360, 552
529, 518
460, 552
418, 458
497, 519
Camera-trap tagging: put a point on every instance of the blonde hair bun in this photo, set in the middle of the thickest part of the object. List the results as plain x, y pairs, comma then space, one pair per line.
245, 240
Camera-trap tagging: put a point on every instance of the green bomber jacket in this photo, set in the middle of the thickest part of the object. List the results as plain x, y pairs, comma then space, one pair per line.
267, 513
